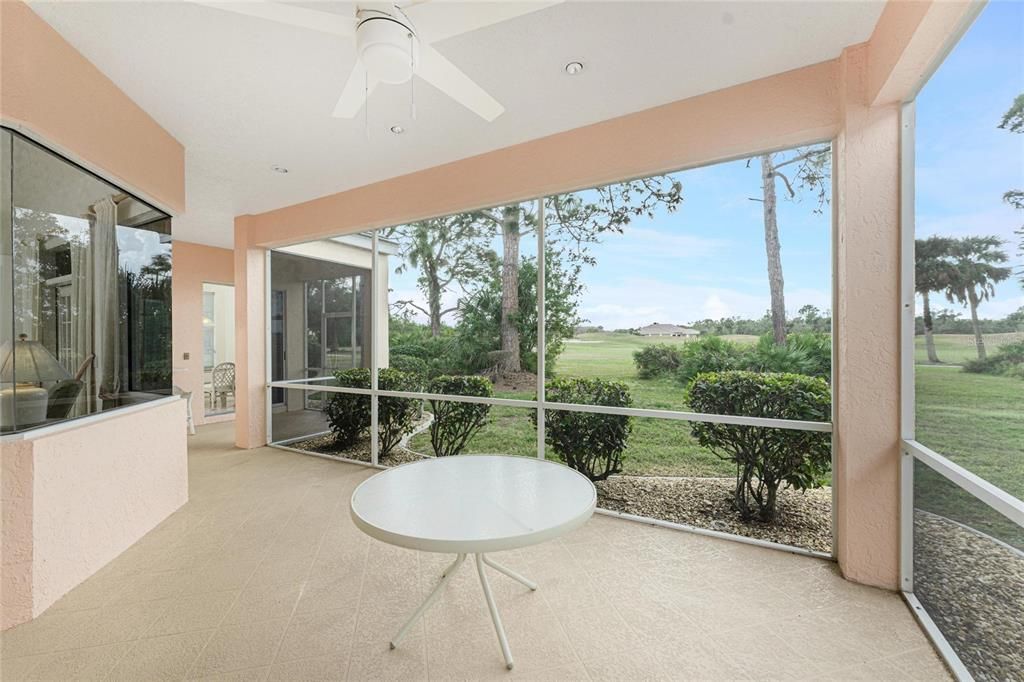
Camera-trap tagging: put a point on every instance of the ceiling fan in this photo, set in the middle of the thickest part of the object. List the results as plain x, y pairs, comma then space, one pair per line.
393, 43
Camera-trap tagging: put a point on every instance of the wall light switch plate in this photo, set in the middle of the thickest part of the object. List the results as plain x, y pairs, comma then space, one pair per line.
185, 356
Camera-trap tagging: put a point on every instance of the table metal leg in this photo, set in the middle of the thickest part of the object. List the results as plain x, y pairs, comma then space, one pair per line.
510, 573
502, 640
429, 601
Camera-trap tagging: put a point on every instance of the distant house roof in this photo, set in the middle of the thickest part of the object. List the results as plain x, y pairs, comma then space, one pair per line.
657, 329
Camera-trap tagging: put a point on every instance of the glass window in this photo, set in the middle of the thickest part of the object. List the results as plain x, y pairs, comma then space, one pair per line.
90, 274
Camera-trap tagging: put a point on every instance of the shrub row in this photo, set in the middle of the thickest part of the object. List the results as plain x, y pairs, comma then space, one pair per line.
807, 353
454, 422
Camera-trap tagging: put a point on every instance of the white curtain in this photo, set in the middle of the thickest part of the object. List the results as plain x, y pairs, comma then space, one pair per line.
27, 290
106, 313
82, 315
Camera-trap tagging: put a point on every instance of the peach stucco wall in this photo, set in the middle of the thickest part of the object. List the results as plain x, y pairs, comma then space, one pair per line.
76, 498
194, 264
867, 350
54, 92
250, 339
775, 112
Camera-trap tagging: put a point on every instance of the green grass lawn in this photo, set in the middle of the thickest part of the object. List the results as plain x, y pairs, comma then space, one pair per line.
955, 349
976, 420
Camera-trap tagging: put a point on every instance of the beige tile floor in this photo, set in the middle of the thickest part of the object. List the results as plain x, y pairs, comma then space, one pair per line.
262, 576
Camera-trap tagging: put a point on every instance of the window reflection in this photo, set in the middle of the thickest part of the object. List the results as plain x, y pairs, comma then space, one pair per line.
90, 275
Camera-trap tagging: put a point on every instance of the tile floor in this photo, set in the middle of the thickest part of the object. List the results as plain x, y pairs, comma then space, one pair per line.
262, 576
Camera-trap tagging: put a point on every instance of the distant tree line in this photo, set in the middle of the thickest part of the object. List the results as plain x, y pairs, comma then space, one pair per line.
809, 318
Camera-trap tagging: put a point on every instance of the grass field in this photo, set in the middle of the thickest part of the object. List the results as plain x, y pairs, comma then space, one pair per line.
955, 349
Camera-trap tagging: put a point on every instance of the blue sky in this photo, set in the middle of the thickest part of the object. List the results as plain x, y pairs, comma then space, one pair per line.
964, 162
707, 259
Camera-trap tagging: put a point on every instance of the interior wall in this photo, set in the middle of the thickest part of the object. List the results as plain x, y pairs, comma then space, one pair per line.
49, 89
193, 265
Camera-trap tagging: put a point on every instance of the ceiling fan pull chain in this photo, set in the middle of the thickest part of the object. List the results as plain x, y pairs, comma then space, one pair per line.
366, 104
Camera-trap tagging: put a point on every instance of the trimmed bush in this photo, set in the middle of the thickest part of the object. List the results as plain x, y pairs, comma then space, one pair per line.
409, 363
592, 444
1007, 361
656, 360
765, 458
412, 349
455, 423
709, 354
395, 416
349, 413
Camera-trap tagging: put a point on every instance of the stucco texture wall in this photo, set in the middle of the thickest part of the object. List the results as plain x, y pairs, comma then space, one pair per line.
194, 264
75, 499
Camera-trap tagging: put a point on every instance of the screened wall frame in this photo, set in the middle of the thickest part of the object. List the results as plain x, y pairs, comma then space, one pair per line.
912, 451
541, 404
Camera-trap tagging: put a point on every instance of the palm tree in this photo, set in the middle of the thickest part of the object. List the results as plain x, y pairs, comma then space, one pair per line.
978, 271
933, 271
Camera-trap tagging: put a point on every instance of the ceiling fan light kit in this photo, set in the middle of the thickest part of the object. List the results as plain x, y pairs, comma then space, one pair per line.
389, 49
387, 46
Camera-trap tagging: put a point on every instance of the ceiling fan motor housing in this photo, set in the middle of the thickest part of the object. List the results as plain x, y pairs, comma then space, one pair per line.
387, 46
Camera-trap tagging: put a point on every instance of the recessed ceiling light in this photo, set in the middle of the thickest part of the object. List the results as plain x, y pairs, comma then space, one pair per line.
397, 130
573, 68
278, 169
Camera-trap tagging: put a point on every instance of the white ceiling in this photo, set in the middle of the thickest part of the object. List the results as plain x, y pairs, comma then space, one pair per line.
243, 94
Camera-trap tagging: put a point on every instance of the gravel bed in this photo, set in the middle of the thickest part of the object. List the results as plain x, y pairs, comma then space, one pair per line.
973, 588
804, 519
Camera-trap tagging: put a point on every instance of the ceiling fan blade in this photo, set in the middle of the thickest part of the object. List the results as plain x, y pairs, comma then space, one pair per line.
434, 68
354, 94
292, 15
436, 21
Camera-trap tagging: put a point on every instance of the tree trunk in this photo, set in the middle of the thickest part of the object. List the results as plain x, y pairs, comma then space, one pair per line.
434, 293
929, 339
972, 298
510, 361
773, 250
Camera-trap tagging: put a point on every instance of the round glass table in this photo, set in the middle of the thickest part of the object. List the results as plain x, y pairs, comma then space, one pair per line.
472, 504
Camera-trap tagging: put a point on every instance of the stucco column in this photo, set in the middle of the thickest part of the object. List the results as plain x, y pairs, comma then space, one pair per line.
866, 318
250, 339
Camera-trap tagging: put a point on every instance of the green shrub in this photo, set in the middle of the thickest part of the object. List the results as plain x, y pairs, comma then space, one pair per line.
395, 416
349, 413
455, 423
416, 350
765, 458
409, 363
709, 354
807, 353
592, 444
656, 360
1007, 361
